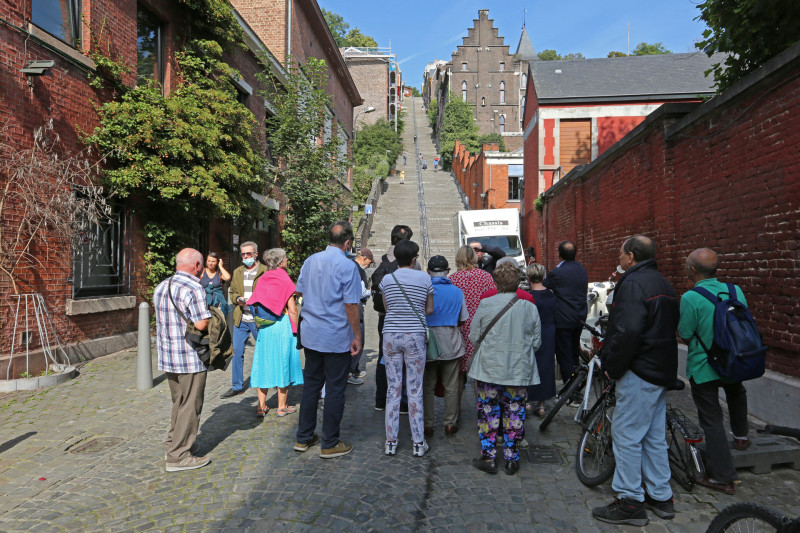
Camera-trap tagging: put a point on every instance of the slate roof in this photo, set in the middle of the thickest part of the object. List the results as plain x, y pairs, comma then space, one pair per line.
525, 49
652, 77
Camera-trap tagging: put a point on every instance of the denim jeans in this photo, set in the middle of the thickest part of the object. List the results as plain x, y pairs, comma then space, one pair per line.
240, 335
640, 443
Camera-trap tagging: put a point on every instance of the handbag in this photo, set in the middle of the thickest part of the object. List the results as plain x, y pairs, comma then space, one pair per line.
433, 350
488, 328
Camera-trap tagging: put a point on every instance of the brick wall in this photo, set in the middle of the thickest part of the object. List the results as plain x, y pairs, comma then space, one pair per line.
476, 175
722, 175
372, 79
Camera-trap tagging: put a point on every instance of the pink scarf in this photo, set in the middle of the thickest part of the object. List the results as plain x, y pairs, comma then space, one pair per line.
273, 289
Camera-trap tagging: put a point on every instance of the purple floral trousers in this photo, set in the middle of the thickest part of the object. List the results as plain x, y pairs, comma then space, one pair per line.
492, 401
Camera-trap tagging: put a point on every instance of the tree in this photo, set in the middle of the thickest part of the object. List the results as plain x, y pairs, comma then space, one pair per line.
574, 56
433, 113
458, 124
549, 55
415, 92
343, 35
358, 39
750, 32
309, 169
645, 49
617, 54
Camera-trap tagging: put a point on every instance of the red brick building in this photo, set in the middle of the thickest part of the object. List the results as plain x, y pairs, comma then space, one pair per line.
491, 179
92, 290
378, 79
575, 110
721, 174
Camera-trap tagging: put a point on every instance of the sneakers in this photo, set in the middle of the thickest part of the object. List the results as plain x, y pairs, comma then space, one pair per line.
361, 374
353, 380
662, 509
741, 444
304, 446
420, 448
188, 463
380, 407
341, 448
390, 448
403, 409
622, 511
485, 464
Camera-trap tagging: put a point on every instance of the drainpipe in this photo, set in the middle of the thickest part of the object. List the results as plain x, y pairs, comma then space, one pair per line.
288, 30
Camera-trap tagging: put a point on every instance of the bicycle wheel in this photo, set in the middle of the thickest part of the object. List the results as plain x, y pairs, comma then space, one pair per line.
684, 459
594, 460
748, 517
580, 378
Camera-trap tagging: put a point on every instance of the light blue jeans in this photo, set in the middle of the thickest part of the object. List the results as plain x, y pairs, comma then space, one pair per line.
640, 442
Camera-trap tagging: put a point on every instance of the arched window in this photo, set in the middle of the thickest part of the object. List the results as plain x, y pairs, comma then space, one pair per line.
464, 91
483, 101
502, 92
522, 115
502, 123
524, 80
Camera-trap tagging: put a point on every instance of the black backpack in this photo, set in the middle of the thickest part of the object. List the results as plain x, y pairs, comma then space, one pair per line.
386, 267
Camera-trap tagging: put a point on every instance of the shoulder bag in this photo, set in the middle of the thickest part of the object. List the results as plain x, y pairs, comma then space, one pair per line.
488, 328
433, 349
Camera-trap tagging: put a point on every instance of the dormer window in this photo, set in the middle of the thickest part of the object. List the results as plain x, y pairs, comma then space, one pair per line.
463, 66
502, 66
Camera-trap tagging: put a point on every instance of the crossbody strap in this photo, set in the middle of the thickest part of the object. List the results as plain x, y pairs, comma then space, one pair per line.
408, 299
495, 319
169, 291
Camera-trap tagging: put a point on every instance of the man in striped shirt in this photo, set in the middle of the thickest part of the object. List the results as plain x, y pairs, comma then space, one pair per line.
243, 282
186, 374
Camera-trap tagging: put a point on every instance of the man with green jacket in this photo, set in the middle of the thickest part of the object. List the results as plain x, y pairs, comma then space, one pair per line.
243, 282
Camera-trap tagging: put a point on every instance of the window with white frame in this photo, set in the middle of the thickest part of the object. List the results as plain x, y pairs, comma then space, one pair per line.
502, 66
464, 91
514, 182
502, 123
502, 92
149, 47
524, 80
60, 18
463, 65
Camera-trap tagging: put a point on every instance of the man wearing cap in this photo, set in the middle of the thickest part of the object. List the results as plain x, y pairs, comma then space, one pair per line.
363, 259
449, 312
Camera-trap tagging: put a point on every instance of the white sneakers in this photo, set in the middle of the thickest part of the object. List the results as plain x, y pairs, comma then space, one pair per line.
390, 448
420, 448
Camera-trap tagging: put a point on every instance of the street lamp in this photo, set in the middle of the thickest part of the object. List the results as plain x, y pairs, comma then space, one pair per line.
370, 109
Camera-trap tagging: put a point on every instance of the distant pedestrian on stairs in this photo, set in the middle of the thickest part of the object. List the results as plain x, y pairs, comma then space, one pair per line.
435, 164
404, 159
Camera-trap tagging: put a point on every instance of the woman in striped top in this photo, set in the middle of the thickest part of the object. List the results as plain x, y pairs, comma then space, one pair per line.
408, 298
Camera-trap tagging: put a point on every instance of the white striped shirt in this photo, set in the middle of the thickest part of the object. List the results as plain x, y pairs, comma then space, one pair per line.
400, 317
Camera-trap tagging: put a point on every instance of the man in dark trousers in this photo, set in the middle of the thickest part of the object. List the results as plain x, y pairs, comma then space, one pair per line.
641, 354
569, 282
696, 325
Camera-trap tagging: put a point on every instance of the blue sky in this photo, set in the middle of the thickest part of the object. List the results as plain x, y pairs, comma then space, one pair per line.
421, 31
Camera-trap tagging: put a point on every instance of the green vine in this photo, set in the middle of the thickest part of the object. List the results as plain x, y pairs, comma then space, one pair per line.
538, 203
184, 157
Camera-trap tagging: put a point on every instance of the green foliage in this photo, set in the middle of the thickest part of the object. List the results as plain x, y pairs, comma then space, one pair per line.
211, 20
433, 113
188, 155
307, 172
751, 32
538, 203
415, 92
458, 124
617, 54
343, 35
647, 49
574, 56
376, 149
487, 138
549, 55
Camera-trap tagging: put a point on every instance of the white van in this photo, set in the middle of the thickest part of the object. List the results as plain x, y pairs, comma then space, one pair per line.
491, 227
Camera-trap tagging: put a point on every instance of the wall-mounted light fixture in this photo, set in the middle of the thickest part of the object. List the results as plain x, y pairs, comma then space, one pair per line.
37, 67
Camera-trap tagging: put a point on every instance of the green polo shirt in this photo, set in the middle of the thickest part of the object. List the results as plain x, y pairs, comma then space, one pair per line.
697, 317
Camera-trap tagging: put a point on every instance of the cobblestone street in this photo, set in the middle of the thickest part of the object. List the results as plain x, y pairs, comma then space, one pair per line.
257, 481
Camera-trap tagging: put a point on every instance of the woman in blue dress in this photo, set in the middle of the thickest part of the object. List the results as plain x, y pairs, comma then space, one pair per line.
276, 361
545, 355
214, 275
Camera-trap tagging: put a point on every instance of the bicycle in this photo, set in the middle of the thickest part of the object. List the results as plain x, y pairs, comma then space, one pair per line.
588, 368
752, 517
683, 436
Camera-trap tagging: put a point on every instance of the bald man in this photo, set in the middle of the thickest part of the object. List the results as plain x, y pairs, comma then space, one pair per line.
697, 324
175, 298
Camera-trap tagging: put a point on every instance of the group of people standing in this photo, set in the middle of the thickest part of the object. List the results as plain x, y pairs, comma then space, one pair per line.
486, 328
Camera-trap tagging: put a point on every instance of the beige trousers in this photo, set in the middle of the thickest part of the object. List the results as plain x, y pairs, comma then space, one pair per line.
187, 392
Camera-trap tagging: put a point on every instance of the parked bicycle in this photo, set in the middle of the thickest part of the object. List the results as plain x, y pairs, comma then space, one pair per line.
752, 518
683, 436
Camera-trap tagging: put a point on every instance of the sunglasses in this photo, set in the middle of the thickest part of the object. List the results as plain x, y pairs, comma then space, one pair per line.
248, 254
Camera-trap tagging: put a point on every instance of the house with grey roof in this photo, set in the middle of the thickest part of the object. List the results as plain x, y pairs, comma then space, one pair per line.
574, 110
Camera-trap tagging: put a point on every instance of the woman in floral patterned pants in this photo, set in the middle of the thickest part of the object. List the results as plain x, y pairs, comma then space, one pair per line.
492, 401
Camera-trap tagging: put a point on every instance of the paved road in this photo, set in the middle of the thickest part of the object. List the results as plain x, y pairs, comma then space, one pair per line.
256, 481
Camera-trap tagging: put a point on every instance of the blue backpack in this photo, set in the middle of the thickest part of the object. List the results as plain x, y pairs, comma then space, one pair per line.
737, 352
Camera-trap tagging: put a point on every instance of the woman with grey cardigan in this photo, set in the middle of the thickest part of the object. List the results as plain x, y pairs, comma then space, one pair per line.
503, 367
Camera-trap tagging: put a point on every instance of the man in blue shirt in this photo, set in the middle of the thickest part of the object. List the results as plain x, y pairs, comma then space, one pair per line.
330, 334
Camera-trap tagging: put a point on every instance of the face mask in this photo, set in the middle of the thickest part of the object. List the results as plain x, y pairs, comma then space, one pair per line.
248, 261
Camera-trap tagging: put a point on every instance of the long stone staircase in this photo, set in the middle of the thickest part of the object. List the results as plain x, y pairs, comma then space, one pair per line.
428, 200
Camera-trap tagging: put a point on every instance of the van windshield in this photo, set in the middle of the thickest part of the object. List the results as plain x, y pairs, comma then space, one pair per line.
508, 243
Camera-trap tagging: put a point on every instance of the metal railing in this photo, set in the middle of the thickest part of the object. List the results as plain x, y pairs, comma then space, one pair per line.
423, 216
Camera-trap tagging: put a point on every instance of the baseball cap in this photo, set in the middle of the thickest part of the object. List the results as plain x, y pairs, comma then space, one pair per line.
438, 263
366, 252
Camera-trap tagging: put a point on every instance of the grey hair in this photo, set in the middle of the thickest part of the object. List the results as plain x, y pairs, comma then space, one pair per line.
535, 273
442, 274
188, 257
249, 243
273, 257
